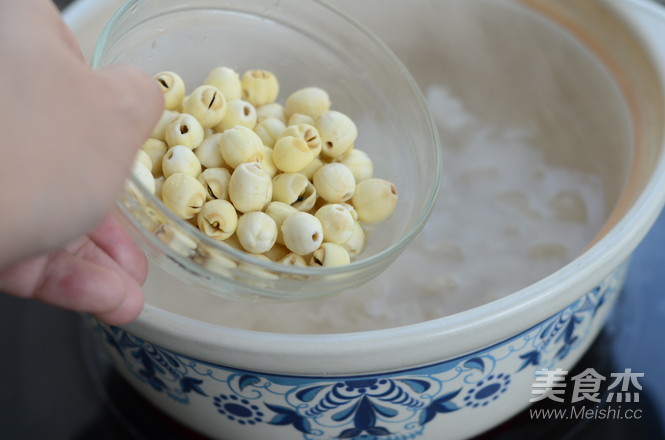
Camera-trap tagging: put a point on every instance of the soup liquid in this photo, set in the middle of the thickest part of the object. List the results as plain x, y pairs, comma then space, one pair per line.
532, 157
505, 218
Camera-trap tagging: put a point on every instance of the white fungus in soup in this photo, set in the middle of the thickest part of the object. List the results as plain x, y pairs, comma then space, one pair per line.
504, 219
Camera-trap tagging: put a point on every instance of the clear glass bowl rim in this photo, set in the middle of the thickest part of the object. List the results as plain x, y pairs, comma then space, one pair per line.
236, 254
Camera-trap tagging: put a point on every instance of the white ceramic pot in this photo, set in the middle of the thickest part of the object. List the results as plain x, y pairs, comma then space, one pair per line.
460, 375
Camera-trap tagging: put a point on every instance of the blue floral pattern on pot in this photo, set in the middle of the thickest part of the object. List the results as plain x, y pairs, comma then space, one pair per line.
391, 406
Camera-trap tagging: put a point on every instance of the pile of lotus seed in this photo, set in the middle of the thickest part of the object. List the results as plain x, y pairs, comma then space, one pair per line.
282, 182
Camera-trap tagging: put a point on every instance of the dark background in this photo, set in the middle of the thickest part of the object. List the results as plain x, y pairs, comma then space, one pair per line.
62, 3
54, 385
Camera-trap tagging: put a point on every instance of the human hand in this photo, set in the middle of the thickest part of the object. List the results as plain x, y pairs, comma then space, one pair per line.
100, 273
69, 136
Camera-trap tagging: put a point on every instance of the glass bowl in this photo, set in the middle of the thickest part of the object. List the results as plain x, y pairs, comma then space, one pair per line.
305, 43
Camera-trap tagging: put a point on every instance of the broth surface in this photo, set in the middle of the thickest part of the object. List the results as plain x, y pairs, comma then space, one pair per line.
535, 154
505, 218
